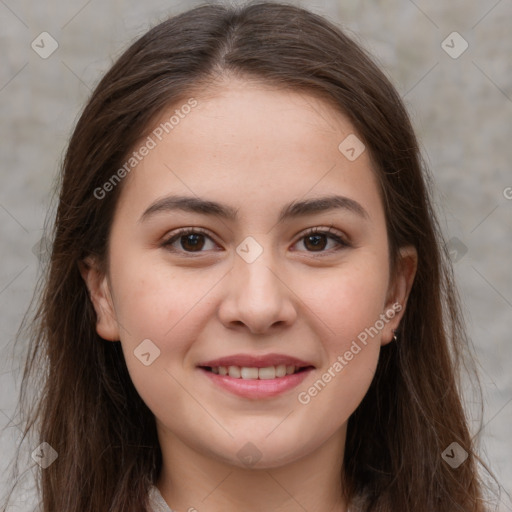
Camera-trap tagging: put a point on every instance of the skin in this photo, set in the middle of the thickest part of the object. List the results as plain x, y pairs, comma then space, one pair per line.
254, 148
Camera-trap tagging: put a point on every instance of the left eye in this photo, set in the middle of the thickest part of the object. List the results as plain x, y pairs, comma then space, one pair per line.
315, 238
193, 240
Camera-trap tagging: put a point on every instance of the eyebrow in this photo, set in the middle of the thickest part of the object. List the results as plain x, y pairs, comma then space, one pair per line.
291, 210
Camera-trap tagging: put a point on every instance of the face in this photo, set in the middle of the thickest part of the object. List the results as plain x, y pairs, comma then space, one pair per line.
267, 275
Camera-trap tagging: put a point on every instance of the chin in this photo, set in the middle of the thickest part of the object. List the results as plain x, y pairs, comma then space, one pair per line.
258, 452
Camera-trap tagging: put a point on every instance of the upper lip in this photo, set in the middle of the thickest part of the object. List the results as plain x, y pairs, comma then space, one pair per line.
256, 361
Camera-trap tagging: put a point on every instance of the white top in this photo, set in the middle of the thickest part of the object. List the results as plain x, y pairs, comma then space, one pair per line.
157, 503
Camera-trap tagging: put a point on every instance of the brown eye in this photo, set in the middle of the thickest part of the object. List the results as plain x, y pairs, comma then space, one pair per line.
188, 241
192, 242
316, 240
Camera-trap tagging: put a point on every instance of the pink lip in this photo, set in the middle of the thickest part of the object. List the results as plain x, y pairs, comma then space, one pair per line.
256, 388
262, 361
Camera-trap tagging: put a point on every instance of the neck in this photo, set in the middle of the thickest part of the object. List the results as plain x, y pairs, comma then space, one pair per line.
192, 480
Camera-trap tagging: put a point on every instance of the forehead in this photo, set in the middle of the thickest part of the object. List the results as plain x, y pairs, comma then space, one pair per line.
246, 139
244, 115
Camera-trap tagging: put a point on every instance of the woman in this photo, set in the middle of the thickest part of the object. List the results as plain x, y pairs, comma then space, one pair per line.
248, 304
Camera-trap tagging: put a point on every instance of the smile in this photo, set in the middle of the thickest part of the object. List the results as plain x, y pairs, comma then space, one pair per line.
256, 383
248, 373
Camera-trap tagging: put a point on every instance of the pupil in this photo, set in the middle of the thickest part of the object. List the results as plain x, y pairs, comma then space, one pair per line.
192, 240
316, 238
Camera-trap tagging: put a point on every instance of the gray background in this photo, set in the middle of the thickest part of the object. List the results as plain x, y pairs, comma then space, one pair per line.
461, 108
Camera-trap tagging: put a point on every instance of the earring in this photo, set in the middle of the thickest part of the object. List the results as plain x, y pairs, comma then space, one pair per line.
394, 334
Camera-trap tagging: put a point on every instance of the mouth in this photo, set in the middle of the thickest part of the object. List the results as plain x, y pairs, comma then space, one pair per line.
255, 373
256, 377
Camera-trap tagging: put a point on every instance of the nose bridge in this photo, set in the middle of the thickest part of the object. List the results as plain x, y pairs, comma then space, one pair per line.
256, 268
257, 295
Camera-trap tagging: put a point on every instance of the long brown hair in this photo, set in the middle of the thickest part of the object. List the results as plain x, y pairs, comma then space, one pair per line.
88, 409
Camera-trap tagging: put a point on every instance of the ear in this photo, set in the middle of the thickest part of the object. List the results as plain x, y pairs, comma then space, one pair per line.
398, 293
101, 298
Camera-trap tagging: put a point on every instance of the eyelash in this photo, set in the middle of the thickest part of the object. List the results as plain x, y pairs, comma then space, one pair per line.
342, 243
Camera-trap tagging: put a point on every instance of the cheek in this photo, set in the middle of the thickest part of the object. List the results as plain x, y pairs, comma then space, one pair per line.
347, 307
168, 306
348, 299
153, 299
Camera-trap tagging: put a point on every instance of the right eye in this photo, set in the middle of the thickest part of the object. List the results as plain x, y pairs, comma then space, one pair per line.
190, 240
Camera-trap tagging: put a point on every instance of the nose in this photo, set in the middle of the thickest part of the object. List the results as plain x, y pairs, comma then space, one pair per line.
258, 297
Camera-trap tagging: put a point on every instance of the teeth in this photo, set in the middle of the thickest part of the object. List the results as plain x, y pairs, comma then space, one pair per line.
281, 370
234, 371
267, 373
245, 372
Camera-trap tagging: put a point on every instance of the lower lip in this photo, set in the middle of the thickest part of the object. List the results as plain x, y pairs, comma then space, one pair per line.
257, 388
